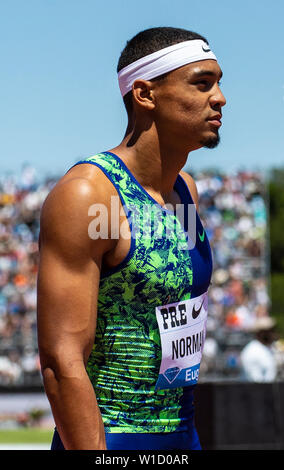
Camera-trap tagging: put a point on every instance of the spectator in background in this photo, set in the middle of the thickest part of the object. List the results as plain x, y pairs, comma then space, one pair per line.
258, 361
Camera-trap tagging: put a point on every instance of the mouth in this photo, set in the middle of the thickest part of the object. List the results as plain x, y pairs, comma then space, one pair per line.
215, 120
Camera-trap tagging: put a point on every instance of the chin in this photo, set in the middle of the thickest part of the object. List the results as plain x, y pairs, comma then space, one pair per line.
211, 142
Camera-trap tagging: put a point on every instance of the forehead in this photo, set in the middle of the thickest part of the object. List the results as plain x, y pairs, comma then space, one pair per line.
197, 69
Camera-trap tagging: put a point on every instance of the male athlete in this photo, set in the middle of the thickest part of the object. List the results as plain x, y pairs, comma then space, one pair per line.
122, 316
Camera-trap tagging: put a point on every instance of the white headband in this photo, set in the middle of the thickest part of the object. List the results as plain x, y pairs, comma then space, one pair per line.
163, 61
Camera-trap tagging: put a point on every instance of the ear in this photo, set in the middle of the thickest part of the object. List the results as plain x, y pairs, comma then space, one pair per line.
142, 93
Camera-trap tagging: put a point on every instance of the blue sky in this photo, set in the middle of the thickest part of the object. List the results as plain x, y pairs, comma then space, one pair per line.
59, 97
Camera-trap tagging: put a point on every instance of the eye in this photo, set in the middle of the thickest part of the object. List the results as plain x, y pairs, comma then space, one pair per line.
204, 85
202, 82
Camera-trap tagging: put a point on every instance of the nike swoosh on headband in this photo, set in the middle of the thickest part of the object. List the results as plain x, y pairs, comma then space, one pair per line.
206, 50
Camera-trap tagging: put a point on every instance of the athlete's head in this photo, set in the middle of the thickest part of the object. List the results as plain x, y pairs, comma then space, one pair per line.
185, 97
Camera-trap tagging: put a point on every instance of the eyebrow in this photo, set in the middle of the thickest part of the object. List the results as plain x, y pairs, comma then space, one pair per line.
206, 72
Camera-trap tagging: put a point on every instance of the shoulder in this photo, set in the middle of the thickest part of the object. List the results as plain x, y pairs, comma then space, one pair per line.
77, 188
65, 213
191, 186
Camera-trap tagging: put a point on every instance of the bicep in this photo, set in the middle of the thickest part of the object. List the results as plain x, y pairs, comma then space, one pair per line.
67, 303
68, 280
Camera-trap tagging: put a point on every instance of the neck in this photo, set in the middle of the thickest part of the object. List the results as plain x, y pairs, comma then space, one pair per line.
154, 161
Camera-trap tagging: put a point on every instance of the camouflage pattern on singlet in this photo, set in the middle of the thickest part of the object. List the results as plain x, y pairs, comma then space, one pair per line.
124, 363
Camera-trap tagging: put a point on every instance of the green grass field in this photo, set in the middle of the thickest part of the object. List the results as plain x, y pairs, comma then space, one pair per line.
26, 436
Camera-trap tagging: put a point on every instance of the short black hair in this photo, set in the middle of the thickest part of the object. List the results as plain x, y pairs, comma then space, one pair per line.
148, 41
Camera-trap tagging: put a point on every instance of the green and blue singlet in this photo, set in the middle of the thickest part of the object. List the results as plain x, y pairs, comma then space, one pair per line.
152, 308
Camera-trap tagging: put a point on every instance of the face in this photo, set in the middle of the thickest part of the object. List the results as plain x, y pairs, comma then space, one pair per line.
188, 104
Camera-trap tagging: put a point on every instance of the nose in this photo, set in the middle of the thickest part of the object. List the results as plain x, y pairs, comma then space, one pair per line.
217, 99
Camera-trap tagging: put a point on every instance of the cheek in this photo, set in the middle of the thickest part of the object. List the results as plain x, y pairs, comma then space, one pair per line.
182, 107
180, 110
189, 114
174, 111
191, 105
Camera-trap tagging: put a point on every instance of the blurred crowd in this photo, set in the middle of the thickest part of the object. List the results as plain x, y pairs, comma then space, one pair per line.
21, 198
233, 210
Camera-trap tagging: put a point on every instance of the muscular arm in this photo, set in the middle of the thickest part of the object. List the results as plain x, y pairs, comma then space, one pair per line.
68, 280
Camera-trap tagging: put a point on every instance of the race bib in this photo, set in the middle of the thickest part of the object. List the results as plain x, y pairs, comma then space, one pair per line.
182, 328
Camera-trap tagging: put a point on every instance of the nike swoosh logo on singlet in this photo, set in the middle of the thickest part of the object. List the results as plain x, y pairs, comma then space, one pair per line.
195, 313
201, 236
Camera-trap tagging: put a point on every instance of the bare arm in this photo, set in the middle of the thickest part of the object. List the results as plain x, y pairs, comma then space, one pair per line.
68, 280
